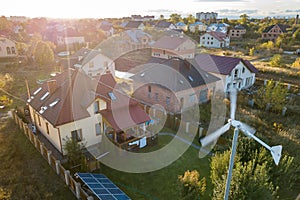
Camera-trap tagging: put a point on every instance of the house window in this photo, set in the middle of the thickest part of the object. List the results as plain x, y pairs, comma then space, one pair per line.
212, 43
164, 52
96, 107
203, 38
203, 95
168, 101
47, 128
243, 71
239, 85
228, 86
236, 73
149, 91
13, 51
181, 102
98, 129
8, 50
248, 81
39, 120
207, 42
156, 96
77, 135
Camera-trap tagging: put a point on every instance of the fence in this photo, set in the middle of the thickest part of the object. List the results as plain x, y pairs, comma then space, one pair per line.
54, 163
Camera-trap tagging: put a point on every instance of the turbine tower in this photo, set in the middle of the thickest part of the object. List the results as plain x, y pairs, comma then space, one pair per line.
238, 126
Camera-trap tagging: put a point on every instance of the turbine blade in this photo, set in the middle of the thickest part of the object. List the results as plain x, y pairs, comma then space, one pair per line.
233, 99
215, 135
276, 153
246, 127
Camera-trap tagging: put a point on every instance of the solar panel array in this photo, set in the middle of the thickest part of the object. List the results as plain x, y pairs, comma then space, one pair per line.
102, 187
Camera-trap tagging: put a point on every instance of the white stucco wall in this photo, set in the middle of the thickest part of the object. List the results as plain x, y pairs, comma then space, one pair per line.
99, 67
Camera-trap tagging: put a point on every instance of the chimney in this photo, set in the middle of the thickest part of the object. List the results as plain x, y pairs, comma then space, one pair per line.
52, 86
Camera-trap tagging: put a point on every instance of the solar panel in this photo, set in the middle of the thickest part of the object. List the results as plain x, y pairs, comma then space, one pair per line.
102, 187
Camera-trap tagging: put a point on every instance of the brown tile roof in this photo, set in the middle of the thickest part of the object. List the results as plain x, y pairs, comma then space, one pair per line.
170, 41
76, 91
218, 35
221, 64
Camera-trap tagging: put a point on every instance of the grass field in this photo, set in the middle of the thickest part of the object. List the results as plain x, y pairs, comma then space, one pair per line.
161, 184
24, 174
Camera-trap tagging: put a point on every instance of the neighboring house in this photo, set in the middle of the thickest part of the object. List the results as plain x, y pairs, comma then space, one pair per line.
133, 25
175, 84
7, 48
214, 40
135, 39
69, 40
272, 32
174, 45
72, 105
197, 26
237, 32
234, 72
207, 16
216, 27
93, 62
181, 25
107, 28
144, 18
165, 25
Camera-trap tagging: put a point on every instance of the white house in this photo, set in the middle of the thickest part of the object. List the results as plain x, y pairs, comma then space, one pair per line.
214, 40
94, 63
165, 25
182, 26
72, 105
222, 27
7, 48
235, 72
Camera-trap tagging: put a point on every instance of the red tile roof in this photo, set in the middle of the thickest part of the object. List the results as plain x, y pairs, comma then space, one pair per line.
218, 35
221, 64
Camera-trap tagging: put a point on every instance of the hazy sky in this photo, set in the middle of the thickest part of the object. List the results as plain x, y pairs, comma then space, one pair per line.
122, 8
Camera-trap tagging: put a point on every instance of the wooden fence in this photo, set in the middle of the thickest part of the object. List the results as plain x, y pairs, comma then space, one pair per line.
54, 163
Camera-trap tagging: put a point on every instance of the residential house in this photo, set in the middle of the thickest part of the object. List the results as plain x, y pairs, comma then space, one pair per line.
144, 18
174, 45
70, 40
181, 25
234, 72
7, 48
165, 25
134, 39
106, 27
216, 27
174, 83
272, 32
207, 16
237, 32
133, 25
93, 62
214, 40
72, 105
197, 26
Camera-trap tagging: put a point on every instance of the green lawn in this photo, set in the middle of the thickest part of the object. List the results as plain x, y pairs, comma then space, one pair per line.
24, 174
161, 184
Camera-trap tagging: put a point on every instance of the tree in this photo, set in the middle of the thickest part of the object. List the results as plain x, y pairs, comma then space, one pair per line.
244, 18
251, 51
74, 151
190, 19
191, 186
174, 18
276, 60
296, 63
267, 45
43, 54
161, 17
273, 94
250, 179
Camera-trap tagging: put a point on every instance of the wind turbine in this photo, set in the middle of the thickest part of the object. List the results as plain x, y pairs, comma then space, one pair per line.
247, 130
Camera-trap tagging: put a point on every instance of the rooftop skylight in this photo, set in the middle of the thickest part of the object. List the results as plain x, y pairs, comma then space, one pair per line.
37, 91
191, 78
112, 96
43, 108
44, 96
54, 103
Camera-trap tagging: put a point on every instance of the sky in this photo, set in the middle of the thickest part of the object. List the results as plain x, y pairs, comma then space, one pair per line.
125, 8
